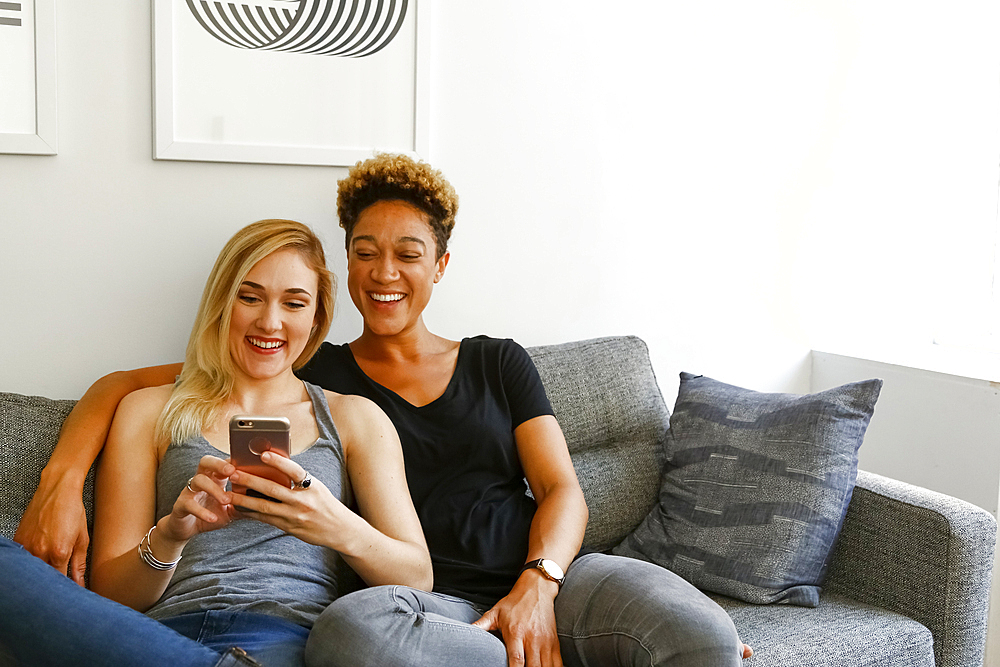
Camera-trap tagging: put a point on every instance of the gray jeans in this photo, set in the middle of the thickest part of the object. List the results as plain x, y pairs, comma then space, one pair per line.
610, 611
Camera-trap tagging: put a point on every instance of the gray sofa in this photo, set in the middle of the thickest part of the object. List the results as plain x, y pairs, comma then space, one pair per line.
908, 583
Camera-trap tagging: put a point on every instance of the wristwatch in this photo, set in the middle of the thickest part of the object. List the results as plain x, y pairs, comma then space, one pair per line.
549, 568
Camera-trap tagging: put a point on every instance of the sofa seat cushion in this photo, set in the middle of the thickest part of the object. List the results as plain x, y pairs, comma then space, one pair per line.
838, 632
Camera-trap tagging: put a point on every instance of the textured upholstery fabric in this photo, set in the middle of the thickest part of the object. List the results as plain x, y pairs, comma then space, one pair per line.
606, 399
922, 554
29, 428
838, 632
755, 488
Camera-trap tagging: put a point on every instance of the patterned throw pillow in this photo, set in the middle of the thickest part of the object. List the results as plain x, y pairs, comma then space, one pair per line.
755, 488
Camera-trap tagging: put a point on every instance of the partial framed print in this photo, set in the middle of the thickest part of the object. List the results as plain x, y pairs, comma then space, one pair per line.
311, 82
28, 114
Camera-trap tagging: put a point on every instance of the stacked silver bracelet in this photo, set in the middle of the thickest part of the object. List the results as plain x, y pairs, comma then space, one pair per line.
146, 554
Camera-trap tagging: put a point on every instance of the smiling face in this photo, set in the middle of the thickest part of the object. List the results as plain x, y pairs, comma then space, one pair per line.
391, 267
273, 314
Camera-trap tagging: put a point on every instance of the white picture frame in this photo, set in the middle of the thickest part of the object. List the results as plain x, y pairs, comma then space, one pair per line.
29, 79
216, 102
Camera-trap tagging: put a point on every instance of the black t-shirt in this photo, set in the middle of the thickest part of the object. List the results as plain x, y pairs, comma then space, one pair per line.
462, 466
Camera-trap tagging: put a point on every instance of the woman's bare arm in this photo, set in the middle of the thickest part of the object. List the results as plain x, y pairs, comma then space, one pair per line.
125, 505
54, 526
388, 546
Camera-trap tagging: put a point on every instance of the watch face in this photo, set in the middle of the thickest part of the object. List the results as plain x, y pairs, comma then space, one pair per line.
551, 568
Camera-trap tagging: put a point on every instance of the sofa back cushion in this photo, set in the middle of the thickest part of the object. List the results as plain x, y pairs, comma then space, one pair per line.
29, 428
608, 404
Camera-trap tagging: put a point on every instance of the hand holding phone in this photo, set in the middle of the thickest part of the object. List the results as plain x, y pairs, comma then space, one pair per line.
249, 437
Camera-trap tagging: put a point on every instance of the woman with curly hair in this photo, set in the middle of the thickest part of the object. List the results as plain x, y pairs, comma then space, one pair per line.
511, 585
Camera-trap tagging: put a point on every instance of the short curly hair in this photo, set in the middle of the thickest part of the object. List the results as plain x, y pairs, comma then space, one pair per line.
389, 176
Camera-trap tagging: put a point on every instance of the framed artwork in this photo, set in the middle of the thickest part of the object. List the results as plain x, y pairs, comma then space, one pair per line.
28, 118
310, 82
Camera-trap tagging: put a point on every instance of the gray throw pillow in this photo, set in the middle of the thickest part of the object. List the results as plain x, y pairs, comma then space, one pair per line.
755, 487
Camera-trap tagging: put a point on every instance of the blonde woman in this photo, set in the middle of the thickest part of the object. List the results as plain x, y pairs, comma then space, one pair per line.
215, 567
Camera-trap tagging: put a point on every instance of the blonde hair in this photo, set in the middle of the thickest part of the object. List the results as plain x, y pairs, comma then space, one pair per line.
208, 375
389, 176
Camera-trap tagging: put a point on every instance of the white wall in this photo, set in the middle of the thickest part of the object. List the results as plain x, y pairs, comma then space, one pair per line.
592, 199
932, 429
729, 180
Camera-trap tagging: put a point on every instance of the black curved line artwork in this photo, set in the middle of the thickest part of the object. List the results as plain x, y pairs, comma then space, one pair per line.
346, 28
14, 21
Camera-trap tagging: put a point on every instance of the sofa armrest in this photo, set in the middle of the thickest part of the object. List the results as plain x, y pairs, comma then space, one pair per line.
922, 554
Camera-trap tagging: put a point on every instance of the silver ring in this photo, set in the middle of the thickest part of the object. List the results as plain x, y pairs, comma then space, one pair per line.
304, 483
188, 485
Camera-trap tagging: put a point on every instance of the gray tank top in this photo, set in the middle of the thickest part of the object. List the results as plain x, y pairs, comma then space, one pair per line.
249, 565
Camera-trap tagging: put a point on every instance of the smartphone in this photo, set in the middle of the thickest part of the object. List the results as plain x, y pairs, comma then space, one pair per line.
249, 437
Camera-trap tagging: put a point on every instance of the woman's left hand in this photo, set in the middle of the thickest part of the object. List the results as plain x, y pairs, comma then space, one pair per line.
311, 514
526, 620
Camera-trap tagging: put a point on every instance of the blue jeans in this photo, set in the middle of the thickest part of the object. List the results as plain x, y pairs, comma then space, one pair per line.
47, 619
271, 641
611, 611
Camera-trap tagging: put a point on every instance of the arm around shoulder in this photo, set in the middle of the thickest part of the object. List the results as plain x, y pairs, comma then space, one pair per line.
86, 428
